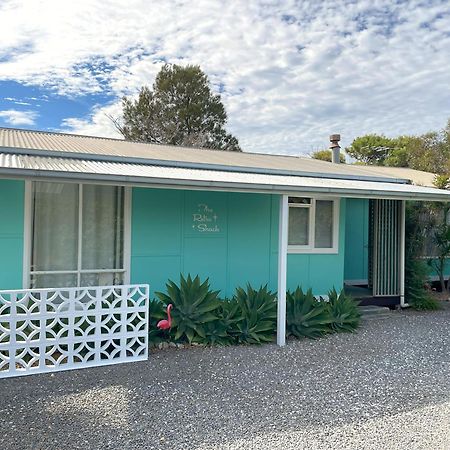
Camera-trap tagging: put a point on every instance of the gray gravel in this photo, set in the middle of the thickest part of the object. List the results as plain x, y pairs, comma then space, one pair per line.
386, 387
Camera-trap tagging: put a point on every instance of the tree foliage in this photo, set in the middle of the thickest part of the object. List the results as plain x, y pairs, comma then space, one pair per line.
370, 149
325, 155
180, 109
429, 152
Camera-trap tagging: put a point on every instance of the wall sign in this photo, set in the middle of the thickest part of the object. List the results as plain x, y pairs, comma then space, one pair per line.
205, 220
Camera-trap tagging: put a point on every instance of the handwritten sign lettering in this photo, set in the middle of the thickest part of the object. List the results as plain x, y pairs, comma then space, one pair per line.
205, 219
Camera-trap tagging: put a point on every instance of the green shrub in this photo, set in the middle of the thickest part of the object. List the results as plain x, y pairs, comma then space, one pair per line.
194, 306
416, 293
305, 316
426, 303
343, 311
258, 309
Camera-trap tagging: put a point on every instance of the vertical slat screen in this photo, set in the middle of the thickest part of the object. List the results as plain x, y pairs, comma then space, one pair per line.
385, 253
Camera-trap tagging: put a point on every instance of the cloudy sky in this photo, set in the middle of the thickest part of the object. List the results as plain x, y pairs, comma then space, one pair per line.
289, 72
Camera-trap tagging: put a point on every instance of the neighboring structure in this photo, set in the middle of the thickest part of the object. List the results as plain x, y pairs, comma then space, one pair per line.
86, 211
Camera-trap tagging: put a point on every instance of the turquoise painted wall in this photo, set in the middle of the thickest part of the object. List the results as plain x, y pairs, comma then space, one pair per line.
223, 236
232, 238
356, 239
11, 233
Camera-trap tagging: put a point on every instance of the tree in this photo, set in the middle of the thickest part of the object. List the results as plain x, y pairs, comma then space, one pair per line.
325, 155
181, 110
370, 149
429, 152
401, 150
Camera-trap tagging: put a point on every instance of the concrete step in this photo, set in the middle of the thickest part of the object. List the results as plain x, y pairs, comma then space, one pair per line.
374, 312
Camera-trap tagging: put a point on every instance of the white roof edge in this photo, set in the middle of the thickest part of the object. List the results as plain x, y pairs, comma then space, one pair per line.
154, 176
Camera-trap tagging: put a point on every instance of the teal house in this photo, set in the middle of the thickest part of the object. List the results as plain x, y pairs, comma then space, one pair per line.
87, 211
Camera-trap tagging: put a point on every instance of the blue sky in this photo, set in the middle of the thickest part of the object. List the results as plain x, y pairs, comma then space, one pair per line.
289, 72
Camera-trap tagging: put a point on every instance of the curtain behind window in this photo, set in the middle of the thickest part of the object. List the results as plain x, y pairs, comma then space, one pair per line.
55, 235
55, 227
102, 227
298, 233
324, 224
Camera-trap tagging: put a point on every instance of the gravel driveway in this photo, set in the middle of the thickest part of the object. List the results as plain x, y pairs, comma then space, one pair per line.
386, 387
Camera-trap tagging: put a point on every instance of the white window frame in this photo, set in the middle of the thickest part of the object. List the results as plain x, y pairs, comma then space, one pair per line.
310, 248
28, 238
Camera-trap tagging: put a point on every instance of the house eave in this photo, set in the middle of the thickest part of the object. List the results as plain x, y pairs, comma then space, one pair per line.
170, 183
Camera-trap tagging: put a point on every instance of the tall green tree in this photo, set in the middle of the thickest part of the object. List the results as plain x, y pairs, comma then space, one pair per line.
180, 109
370, 149
429, 152
401, 150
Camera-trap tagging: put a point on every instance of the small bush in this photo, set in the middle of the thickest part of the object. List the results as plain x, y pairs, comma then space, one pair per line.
416, 292
426, 303
258, 309
195, 305
305, 316
343, 311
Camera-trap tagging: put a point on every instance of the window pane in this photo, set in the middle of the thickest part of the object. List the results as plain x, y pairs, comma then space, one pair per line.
299, 200
298, 226
103, 213
101, 279
324, 224
55, 226
57, 280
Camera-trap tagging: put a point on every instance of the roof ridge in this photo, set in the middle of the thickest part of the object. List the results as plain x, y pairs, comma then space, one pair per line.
57, 133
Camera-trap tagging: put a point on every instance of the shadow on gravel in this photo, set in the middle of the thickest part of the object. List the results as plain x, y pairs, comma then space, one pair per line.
192, 397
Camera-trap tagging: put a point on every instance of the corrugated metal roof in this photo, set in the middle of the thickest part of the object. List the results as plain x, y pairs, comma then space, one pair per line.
38, 167
57, 144
417, 177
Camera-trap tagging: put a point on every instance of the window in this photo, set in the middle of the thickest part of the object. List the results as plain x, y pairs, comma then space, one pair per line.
313, 225
77, 235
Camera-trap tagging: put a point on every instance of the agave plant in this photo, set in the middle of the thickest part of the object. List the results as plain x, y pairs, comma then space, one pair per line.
258, 309
344, 312
305, 316
223, 331
194, 306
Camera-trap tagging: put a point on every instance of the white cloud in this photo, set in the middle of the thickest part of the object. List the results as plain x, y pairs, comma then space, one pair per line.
293, 72
15, 117
98, 123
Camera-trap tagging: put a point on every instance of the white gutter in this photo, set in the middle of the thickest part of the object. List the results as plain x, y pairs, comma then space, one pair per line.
219, 185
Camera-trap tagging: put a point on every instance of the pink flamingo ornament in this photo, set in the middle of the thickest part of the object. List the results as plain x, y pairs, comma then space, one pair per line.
166, 324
